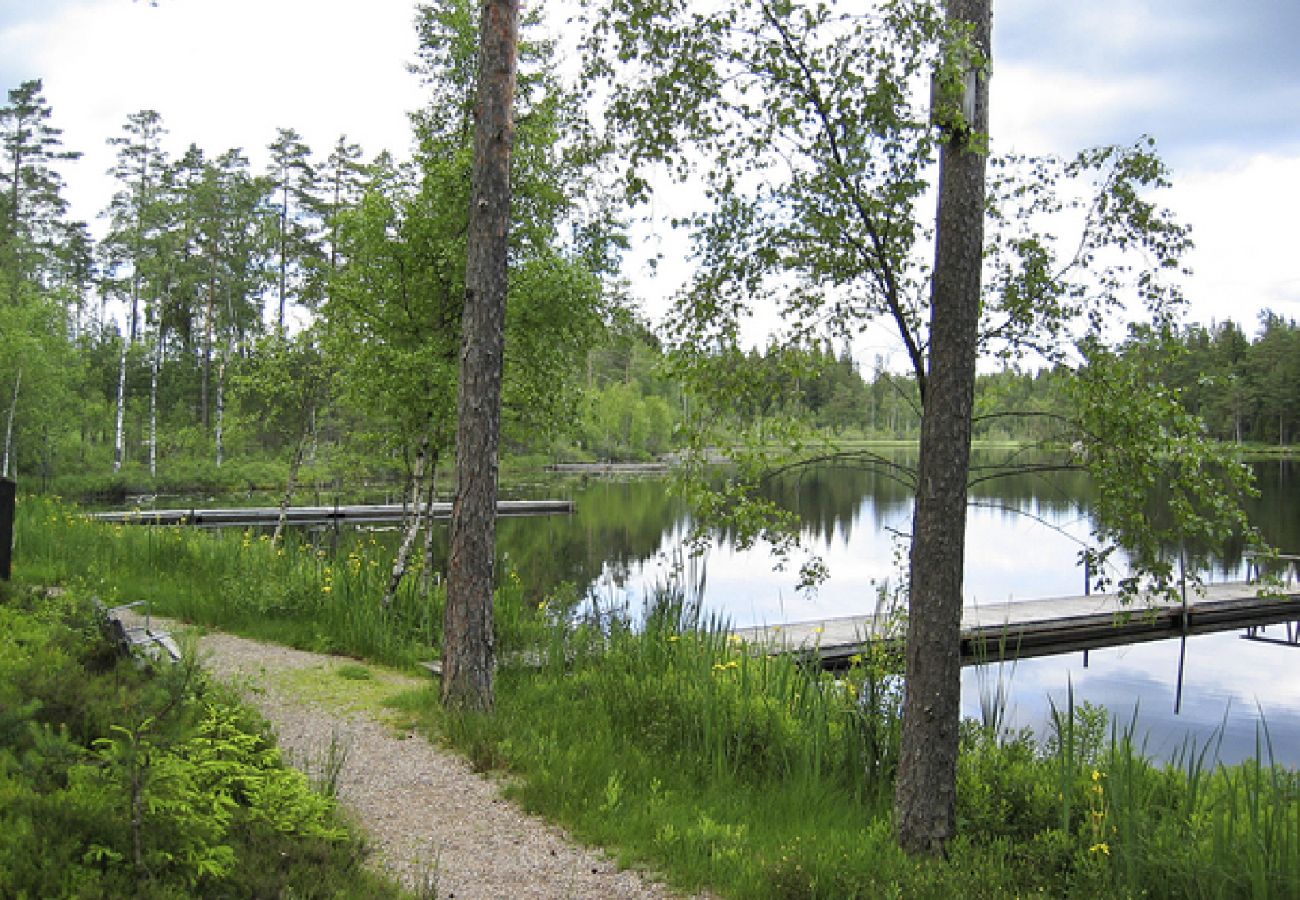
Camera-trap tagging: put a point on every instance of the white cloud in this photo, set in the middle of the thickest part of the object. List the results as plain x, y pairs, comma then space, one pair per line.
224, 73
1245, 256
1036, 110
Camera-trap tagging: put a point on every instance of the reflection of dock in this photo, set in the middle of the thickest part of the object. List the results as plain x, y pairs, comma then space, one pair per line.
1018, 630
317, 515
610, 468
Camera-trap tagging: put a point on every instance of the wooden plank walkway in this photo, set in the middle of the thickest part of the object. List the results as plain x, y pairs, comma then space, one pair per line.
143, 642
1029, 628
316, 515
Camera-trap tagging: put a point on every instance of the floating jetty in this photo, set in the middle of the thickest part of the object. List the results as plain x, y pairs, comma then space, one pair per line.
316, 515
1029, 628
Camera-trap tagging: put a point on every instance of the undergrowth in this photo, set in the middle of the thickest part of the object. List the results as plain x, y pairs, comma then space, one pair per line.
123, 781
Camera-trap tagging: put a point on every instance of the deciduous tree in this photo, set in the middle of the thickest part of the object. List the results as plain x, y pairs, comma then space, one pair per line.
801, 127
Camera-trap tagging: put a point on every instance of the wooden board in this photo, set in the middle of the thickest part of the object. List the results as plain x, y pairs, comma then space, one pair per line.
300, 515
1028, 628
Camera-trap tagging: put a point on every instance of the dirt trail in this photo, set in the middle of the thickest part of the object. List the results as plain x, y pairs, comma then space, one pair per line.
432, 820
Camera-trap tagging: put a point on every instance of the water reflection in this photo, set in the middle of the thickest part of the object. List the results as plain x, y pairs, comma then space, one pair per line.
1227, 684
1023, 538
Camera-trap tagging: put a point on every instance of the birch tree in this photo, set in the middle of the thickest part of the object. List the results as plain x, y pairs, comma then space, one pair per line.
801, 128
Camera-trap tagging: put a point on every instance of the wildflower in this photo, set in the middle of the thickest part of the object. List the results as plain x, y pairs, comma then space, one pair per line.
541, 607
735, 639
1102, 848
325, 589
818, 630
1096, 776
674, 638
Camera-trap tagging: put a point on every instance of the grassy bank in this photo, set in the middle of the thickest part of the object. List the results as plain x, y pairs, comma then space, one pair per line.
756, 777
749, 775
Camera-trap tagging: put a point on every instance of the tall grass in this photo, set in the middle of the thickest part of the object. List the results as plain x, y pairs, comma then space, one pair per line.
755, 775
318, 592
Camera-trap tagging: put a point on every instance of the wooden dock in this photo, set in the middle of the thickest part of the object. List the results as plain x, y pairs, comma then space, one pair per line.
1029, 628
316, 515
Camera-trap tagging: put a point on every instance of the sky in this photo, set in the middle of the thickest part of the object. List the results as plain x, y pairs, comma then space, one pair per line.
1217, 84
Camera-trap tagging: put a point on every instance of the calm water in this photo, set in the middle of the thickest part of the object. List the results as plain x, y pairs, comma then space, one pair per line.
1023, 539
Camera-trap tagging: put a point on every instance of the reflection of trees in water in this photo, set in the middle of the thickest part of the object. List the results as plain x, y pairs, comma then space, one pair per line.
622, 525
832, 497
1277, 508
619, 525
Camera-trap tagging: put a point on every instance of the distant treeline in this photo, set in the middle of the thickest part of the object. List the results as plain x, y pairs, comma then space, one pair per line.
1245, 390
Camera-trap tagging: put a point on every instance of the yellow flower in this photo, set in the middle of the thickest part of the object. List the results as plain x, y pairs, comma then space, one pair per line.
674, 638
1102, 848
326, 588
1096, 776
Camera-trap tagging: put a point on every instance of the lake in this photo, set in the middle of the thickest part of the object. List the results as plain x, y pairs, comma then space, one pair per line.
1024, 535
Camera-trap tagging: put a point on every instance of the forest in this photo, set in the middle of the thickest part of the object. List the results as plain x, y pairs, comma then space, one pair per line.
230, 325
297, 326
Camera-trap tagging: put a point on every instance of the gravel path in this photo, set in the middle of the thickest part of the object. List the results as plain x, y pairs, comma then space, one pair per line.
431, 819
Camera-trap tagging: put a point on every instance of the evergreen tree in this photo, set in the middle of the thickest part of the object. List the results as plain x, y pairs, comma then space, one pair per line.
33, 205
292, 177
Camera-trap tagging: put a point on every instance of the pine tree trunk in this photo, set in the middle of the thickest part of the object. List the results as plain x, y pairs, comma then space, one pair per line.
9, 426
926, 789
206, 382
119, 435
469, 658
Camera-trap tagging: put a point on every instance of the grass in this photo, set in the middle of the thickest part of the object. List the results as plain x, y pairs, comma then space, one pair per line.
681, 751
313, 595
756, 777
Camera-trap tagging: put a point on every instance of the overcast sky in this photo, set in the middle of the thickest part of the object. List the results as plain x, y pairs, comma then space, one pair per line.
1217, 84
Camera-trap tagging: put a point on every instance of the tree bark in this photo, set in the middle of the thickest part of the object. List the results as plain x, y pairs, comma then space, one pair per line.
221, 411
403, 557
292, 484
9, 427
468, 653
926, 789
119, 435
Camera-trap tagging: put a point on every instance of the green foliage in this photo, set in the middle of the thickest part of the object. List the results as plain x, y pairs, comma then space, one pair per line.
315, 596
1158, 482
119, 781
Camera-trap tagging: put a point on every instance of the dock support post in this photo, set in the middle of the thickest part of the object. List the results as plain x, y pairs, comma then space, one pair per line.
1087, 592
8, 501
